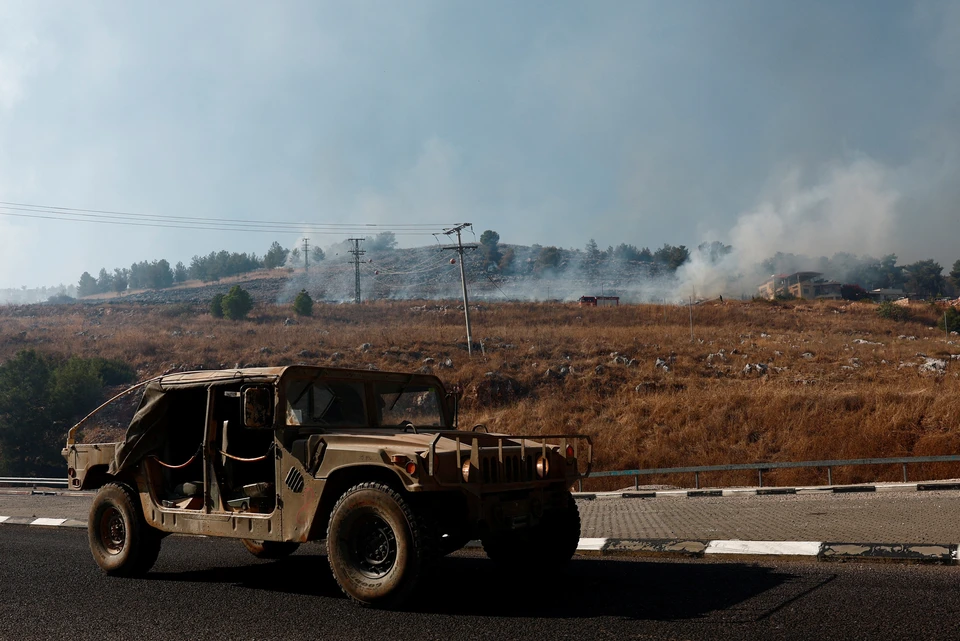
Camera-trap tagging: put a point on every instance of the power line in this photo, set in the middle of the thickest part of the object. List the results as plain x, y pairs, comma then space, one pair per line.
72, 214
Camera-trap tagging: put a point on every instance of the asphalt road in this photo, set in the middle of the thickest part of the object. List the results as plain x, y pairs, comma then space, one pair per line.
213, 589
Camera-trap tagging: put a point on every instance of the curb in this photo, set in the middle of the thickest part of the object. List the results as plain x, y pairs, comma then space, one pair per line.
767, 491
941, 554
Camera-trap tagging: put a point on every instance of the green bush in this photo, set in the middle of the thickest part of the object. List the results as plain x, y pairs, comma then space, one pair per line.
237, 303
950, 321
888, 310
303, 304
40, 398
216, 306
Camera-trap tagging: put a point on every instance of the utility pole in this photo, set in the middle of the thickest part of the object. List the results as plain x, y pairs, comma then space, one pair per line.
459, 247
357, 253
306, 254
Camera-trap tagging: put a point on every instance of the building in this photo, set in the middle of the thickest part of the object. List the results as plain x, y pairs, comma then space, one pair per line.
882, 294
599, 301
807, 285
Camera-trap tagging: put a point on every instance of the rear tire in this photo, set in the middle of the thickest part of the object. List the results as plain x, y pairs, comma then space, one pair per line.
550, 544
270, 549
121, 542
376, 545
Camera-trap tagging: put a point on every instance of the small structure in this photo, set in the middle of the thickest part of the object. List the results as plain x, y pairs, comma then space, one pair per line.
884, 294
599, 301
801, 285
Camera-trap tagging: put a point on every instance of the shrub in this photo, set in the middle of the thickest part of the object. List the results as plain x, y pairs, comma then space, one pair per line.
303, 304
950, 321
237, 303
888, 310
216, 306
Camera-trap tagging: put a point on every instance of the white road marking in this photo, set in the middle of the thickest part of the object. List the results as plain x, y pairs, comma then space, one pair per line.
52, 522
593, 545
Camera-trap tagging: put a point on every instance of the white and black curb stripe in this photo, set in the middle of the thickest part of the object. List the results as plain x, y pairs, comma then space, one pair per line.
768, 491
696, 549
814, 550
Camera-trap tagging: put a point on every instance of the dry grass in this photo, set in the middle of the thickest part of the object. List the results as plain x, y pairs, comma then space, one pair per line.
824, 396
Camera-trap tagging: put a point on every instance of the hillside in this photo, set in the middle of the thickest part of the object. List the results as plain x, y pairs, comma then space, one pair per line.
760, 381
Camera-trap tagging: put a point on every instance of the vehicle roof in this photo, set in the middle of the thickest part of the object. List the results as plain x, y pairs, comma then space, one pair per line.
204, 378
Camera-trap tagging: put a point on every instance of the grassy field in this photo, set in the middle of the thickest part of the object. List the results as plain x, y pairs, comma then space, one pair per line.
839, 382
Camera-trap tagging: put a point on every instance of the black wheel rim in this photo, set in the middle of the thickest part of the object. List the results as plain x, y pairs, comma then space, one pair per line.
372, 546
113, 530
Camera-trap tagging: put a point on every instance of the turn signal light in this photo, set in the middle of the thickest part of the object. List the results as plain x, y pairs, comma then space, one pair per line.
411, 468
570, 451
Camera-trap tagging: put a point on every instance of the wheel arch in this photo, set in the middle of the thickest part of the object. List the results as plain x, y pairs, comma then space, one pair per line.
342, 479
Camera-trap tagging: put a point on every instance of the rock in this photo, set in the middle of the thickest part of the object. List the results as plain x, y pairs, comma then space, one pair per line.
290, 321
552, 375
855, 362
426, 369
807, 355
496, 389
755, 368
860, 341
935, 366
598, 370
907, 338
336, 356
428, 361
365, 347
447, 363
266, 350
306, 353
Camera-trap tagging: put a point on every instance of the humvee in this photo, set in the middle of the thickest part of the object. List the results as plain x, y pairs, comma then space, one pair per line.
369, 461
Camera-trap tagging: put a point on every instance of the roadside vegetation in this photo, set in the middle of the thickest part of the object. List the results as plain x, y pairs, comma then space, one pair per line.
770, 381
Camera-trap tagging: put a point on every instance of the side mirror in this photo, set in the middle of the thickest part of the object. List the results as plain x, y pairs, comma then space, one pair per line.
257, 407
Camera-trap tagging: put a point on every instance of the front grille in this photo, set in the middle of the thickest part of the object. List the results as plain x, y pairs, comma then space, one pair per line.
514, 469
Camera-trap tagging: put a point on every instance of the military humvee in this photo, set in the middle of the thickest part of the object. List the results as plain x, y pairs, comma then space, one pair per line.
370, 461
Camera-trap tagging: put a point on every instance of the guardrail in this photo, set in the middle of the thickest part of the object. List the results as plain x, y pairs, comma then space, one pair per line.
26, 480
765, 467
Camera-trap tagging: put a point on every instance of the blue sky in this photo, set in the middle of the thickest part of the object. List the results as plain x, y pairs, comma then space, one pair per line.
550, 122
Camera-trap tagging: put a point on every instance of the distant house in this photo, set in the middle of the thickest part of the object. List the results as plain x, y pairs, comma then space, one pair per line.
807, 285
599, 301
882, 294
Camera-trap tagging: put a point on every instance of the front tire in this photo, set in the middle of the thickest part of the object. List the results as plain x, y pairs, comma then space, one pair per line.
270, 549
121, 541
376, 545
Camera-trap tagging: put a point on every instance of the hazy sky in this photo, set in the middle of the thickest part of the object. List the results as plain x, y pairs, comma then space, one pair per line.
550, 122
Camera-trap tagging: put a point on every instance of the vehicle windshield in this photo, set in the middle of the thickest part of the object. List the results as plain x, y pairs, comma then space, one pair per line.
417, 403
324, 402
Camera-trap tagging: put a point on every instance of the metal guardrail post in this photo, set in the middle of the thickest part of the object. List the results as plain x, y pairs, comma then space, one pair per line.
829, 475
904, 472
636, 483
696, 480
759, 478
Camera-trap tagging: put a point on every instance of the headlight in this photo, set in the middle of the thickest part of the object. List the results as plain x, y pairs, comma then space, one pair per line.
543, 467
465, 471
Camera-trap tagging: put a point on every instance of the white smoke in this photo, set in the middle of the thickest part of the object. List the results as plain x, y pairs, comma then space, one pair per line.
851, 208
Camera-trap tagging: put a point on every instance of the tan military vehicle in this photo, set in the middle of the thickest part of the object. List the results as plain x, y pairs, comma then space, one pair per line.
370, 461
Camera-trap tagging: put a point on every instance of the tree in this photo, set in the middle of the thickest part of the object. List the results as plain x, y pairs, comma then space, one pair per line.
216, 306
276, 256
317, 254
180, 273
384, 241
671, 257
294, 256
87, 285
955, 276
548, 259
104, 281
490, 247
303, 304
924, 278
714, 252
119, 280
237, 303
